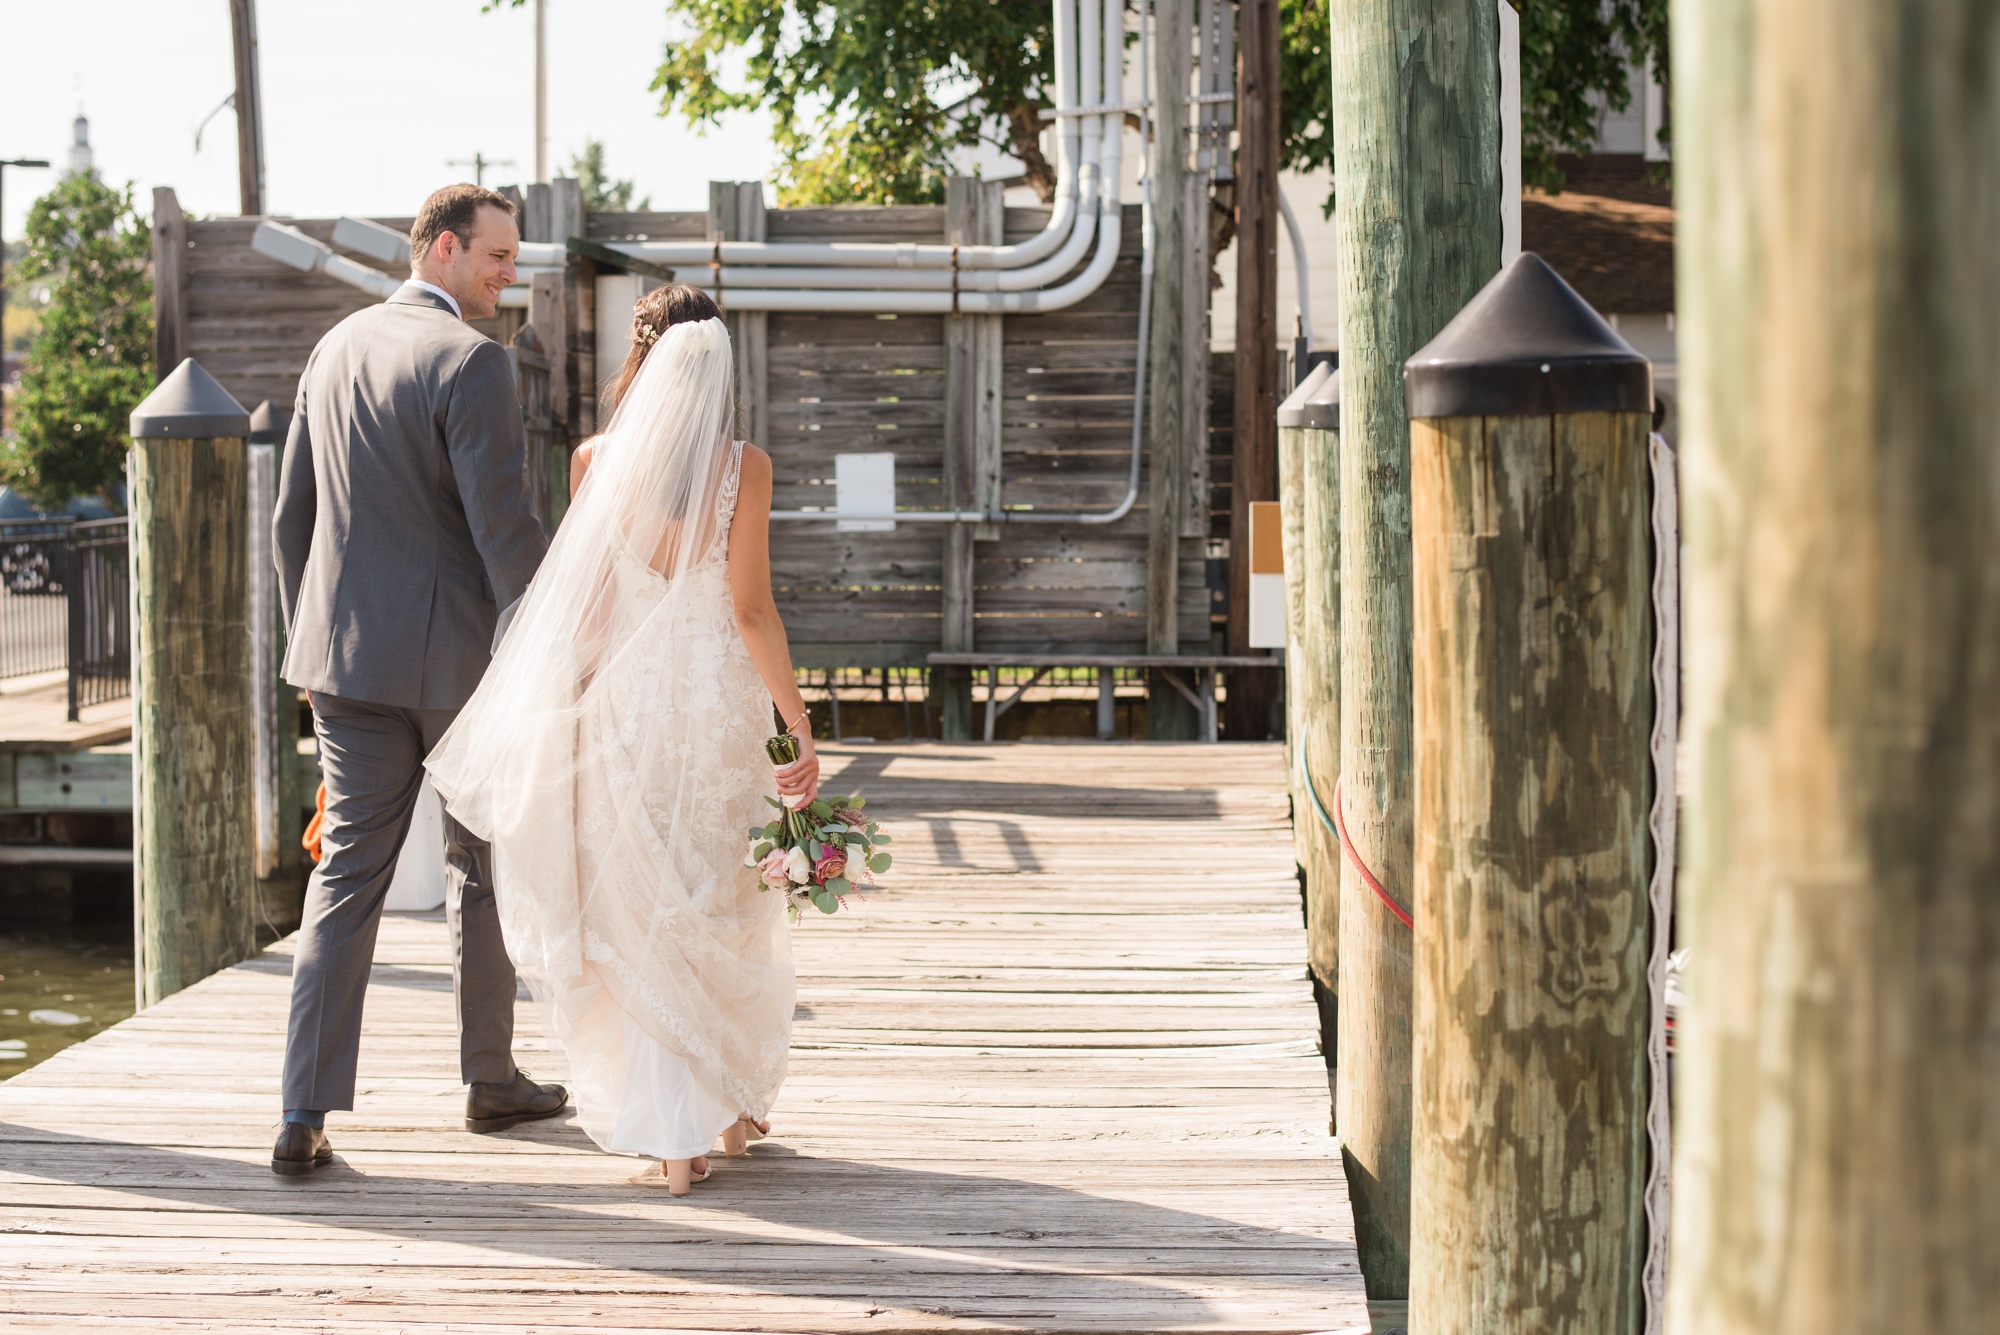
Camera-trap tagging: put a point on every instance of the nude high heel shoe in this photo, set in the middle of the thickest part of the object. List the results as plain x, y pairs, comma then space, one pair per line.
681, 1174
737, 1137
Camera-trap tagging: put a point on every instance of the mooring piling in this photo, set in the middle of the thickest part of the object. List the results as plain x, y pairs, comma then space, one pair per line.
194, 889
1532, 578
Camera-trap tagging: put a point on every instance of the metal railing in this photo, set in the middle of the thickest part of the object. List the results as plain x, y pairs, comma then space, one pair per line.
65, 605
34, 612
100, 613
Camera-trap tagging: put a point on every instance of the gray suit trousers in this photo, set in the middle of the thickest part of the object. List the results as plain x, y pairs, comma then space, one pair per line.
372, 759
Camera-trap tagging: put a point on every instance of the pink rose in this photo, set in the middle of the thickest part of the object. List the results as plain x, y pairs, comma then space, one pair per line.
832, 862
771, 871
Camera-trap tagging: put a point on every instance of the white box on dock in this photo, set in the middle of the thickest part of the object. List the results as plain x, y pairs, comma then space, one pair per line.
419, 880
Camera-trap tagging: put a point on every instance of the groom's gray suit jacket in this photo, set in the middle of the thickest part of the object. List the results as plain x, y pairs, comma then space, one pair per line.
403, 524
402, 528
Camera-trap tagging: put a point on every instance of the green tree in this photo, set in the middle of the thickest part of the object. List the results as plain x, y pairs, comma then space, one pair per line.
91, 361
1570, 50
602, 194
868, 97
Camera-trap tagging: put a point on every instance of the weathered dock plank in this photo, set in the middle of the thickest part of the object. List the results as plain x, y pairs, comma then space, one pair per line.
1061, 1077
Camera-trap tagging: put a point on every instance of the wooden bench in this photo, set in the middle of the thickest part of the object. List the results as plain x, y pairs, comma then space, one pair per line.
1201, 692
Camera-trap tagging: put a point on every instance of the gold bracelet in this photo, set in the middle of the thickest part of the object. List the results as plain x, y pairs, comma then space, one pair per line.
804, 714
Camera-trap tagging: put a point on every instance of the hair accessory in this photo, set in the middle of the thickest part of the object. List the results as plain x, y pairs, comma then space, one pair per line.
644, 333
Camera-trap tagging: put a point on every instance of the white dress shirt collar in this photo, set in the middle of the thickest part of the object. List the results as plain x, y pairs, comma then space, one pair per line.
449, 299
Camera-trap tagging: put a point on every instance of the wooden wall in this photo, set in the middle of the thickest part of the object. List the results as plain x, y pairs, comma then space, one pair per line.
839, 384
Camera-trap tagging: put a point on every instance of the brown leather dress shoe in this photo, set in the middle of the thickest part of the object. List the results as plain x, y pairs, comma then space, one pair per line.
491, 1108
299, 1150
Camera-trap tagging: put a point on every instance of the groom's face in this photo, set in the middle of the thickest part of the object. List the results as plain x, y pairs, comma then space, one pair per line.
477, 268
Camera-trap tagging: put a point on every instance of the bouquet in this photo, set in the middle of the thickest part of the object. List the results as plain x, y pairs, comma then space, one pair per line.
817, 851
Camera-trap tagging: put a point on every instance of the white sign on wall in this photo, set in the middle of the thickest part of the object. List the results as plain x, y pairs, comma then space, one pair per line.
864, 492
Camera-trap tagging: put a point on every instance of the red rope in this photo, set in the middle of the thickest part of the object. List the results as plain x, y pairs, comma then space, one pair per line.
1361, 868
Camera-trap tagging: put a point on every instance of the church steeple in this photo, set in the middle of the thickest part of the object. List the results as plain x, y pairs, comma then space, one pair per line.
79, 150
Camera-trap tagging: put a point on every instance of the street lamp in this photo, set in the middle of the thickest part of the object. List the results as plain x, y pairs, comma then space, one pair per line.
4, 164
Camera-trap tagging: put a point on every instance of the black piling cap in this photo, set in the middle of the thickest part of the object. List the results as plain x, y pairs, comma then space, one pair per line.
1527, 346
190, 405
1322, 407
268, 424
1291, 411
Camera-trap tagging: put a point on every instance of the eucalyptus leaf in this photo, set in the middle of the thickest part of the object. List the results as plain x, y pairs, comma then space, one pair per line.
880, 862
839, 885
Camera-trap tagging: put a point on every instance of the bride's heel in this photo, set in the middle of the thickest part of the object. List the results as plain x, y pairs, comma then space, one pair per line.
681, 1174
737, 1136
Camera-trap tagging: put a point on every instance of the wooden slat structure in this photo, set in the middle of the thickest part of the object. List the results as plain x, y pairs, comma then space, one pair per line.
833, 384
1061, 1077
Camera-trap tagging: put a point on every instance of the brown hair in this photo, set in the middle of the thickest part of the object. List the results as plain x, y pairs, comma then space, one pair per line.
454, 209
653, 315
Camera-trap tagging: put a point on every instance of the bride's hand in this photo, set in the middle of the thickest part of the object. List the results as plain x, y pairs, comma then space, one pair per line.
801, 777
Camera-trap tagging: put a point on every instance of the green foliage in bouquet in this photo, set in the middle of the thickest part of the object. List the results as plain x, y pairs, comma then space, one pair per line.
819, 851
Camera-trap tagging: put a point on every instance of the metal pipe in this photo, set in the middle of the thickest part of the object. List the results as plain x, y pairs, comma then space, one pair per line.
1304, 282
1114, 42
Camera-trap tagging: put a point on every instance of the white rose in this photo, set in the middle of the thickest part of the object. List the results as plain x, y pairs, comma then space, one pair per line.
798, 866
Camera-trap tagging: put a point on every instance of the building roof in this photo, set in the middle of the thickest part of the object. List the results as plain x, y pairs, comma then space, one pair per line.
1609, 232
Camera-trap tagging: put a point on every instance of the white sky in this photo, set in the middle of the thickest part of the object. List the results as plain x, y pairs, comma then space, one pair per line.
364, 100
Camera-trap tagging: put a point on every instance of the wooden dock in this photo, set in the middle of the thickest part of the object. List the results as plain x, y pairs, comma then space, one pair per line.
1061, 1077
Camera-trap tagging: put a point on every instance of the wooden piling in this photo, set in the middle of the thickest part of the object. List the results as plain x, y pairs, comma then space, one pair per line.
1416, 125
1837, 1108
974, 214
1167, 716
1532, 576
1308, 492
193, 836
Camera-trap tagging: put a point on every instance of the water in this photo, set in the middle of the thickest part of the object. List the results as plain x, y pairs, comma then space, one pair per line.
59, 988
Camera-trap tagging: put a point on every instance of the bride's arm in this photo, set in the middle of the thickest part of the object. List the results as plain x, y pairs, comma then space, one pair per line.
579, 464
757, 615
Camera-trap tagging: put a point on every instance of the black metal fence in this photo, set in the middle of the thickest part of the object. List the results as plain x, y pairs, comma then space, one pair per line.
100, 613
65, 605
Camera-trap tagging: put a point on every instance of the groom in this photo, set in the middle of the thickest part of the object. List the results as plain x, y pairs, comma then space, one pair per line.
402, 528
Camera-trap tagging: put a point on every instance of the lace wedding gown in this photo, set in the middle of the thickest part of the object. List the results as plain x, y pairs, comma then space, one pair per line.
614, 759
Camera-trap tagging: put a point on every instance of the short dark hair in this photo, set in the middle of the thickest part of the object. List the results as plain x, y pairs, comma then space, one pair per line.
454, 209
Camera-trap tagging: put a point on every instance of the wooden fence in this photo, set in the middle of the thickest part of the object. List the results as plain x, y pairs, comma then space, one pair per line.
832, 384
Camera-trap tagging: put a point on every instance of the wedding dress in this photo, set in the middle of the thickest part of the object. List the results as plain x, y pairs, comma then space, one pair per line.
613, 757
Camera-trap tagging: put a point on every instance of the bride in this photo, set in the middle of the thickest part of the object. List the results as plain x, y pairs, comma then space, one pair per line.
614, 758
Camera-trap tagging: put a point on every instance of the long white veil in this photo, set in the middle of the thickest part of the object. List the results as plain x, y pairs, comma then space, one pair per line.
613, 755
651, 497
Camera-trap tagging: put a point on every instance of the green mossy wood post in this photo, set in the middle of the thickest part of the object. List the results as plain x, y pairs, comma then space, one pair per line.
1308, 496
1532, 574
194, 884
1837, 1105
1416, 135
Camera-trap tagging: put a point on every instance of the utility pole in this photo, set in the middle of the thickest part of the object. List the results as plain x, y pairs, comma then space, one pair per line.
1254, 455
479, 162
541, 91
1420, 234
249, 108
5, 164
1837, 1088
